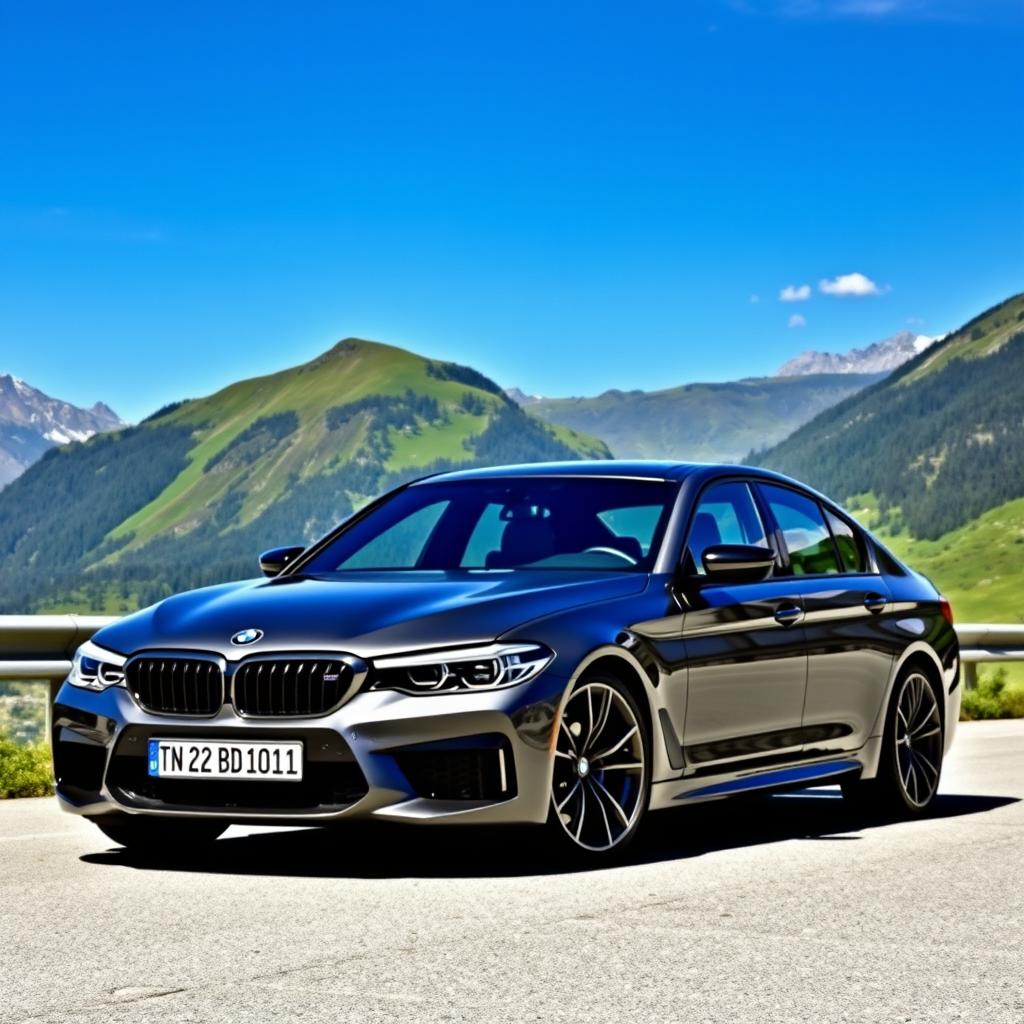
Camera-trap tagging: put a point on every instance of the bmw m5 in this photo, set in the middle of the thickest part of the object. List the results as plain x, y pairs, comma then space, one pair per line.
569, 645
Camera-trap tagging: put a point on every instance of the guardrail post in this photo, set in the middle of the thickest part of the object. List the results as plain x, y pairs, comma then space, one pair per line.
970, 675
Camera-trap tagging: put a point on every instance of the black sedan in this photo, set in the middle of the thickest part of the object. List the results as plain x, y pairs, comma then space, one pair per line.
563, 644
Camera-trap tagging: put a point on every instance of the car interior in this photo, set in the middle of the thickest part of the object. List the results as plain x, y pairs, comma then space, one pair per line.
533, 535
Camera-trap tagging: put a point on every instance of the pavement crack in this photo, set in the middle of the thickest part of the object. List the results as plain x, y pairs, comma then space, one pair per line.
124, 996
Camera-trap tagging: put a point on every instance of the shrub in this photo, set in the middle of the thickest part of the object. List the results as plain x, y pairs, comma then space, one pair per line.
991, 699
24, 771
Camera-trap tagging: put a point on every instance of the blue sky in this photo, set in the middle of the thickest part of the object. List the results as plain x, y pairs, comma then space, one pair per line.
570, 197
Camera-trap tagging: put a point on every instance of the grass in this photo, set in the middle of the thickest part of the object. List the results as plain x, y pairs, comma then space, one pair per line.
24, 770
444, 441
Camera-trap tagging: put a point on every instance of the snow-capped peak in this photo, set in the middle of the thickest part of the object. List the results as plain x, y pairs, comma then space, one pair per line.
881, 357
31, 422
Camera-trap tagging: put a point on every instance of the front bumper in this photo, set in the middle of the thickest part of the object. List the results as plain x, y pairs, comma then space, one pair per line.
480, 757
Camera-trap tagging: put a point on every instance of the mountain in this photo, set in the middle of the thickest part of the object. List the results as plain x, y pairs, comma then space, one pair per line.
522, 398
881, 357
191, 495
31, 423
699, 422
937, 443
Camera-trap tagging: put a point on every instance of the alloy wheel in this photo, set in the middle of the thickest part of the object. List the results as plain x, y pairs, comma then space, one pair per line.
600, 772
918, 739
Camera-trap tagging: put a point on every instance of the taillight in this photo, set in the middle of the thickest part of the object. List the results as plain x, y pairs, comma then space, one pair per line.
947, 609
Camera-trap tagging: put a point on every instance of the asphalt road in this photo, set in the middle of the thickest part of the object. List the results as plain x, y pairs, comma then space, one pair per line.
782, 909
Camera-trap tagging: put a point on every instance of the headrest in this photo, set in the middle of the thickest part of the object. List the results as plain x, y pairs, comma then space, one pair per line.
524, 511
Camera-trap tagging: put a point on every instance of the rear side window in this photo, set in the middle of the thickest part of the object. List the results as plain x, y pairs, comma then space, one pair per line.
726, 514
849, 543
807, 537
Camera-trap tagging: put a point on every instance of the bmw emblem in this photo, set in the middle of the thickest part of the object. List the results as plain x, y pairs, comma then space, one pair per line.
245, 637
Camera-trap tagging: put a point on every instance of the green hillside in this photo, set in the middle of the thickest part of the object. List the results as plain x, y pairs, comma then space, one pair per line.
702, 422
938, 443
192, 494
979, 567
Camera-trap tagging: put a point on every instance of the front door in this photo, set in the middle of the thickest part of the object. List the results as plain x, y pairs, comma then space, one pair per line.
745, 645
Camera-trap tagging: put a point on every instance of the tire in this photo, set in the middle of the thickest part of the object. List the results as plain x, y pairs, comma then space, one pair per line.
601, 777
912, 748
169, 836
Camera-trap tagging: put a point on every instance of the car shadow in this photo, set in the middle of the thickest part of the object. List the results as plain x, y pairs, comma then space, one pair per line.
379, 850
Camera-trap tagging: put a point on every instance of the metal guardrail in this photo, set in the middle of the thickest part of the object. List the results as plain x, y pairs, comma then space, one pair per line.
40, 647
988, 642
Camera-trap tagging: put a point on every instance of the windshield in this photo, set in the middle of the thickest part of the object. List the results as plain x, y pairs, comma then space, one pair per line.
511, 523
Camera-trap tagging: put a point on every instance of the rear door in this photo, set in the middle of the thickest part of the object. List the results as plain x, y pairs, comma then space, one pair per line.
846, 616
745, 645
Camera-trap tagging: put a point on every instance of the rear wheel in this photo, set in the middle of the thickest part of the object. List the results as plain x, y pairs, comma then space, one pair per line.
911, 763
600, 784
161, 835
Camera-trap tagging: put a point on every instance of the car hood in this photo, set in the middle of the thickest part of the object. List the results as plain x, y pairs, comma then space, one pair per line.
365, 614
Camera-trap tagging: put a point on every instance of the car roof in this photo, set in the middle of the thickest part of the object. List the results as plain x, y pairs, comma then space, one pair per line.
642, 469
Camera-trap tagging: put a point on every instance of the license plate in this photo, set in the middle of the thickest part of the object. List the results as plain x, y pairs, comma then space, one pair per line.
225, 759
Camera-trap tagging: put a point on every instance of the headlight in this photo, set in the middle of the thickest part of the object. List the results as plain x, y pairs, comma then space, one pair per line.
95, 668
471, 668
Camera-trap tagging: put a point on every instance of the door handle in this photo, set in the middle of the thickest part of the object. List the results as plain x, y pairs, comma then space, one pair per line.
788, 613
875, 602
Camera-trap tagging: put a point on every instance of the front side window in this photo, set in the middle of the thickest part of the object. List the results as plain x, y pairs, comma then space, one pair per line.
510, 523
726, 514
807, 537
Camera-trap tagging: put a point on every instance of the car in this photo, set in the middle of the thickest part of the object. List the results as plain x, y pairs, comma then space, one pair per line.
569, 645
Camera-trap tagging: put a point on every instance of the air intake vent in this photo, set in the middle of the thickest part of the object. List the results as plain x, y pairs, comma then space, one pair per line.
285, 687
176, 686
474, 768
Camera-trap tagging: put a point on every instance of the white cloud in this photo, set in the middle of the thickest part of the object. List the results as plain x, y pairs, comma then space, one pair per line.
796, 320
755, 299
856, 285
795, 293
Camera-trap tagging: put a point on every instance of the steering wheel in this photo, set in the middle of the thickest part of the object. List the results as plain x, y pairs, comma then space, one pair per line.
610, 551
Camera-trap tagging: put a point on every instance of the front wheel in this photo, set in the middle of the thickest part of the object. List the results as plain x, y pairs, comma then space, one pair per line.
171, 836
600, 783
912, 749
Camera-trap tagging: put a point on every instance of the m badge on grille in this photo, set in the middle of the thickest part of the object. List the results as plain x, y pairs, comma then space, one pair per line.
246, 636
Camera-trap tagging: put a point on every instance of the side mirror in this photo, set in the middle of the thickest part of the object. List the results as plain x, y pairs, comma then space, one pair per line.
737, 563
272, 562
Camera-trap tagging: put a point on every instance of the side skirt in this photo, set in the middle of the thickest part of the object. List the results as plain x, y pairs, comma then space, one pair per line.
672, 794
